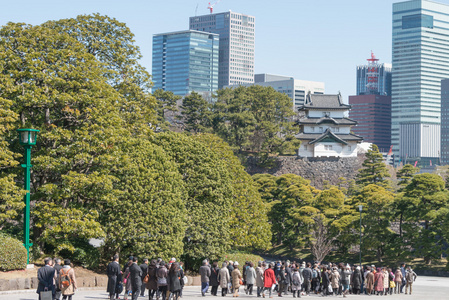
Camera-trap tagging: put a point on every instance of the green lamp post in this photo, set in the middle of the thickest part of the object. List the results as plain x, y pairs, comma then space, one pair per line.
27, 139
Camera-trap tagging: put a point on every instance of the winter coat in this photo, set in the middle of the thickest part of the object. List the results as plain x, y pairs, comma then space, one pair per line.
162, 275
152, 278
346, 277
46, 276
214, 276
127, 276
296, 278
250, 275
410, 276
369, 281
379, 281
70, 290
398, 276
335, 279
386, 280
268, 278
357, 279
224, 278
259, 277
113, 271
288, 275
236, 276
325, 279
281, 276
174, 280
205, 273
136, 276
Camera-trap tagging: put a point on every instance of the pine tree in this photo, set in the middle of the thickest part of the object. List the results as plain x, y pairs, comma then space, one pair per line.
374, 170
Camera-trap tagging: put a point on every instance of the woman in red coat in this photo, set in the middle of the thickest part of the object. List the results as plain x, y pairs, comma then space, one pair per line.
379, 282
268, 280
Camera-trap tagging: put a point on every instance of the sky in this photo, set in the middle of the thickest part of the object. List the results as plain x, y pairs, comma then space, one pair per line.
316, 40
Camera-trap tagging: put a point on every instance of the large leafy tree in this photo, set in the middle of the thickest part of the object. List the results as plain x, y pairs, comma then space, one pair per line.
374, 170
195, 113
255, 118
209, 192
427, 200
249, 227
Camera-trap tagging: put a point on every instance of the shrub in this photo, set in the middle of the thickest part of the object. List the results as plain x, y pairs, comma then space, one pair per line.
13, 255
241, 257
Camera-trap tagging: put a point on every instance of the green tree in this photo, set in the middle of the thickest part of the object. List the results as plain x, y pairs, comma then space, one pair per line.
267, 186
249, 221
11, 197
428, 200
209, 191
374, 170
166, 103
405, 175
377, 212
255, 118
195, 112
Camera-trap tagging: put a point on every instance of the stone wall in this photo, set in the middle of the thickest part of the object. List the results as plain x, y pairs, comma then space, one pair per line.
317, 170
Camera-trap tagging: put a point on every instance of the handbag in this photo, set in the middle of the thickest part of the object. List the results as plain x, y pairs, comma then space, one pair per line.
46, 295
240, 282
147, 277
329, 288
392, 284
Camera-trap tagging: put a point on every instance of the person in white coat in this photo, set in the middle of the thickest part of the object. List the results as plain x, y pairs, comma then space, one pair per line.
296, 283
250, 278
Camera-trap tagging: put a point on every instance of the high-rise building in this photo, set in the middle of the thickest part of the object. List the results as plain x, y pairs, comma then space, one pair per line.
373, 115
374, 78
186, 61
445, 121
297, 90
237, 36
420, 61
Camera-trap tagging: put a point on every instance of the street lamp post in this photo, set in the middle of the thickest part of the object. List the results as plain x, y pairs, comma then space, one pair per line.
27, 139
360, 252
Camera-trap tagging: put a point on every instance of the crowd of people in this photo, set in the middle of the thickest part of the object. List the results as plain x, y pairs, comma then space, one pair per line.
165, 281
56, 280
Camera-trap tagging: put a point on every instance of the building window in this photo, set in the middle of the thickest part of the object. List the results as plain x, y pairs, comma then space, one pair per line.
305, 147
327, 147
321, 129
326, 114
349, 148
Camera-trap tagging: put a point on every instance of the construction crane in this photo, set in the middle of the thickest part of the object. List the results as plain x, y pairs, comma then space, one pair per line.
211, 6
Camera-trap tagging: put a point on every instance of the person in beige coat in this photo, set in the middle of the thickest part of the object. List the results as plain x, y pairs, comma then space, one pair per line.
236, 276
335, 280
67, 291
224, 279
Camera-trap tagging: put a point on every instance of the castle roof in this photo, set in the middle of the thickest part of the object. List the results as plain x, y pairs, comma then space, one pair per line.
323, 101
329, 136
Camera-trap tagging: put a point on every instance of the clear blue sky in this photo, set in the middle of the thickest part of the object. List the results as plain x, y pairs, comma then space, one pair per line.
318, 40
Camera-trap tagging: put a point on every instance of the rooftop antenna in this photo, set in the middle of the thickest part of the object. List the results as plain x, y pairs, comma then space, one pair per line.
211, 6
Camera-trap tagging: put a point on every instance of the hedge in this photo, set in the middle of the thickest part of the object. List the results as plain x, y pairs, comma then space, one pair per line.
13, 255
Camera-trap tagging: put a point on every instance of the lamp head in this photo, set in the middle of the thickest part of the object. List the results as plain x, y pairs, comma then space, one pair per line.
360, 208
27, 136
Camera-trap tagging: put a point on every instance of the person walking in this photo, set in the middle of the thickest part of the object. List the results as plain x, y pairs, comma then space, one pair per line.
288, 277
356, 281
144, 268
307, 277
250, 278
335, 280
135, 278
269, 280
205, 274
392, 284
46, 277
113, 271
398, 281
67, 281
280, 277
259, 278
316, 279
236, 279
224, 279
379, 282
57, 266
346, 280
369, 282
403, 277
162, 274
151, 285
386, 281
296, 283
410, 277
213, 280
127, 279
174, 280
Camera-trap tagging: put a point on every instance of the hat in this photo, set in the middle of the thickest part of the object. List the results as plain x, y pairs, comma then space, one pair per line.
173, 259
358, 268
131, 258
236, 263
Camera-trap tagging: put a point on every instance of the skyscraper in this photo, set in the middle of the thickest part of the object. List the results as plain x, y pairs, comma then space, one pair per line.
374, 78
186, 61
420, 61
237, 36
445, 121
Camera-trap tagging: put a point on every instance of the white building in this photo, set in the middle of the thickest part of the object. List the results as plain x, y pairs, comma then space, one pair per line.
325, 131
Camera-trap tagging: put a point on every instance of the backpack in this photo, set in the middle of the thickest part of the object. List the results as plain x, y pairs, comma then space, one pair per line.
314, 274
65, 278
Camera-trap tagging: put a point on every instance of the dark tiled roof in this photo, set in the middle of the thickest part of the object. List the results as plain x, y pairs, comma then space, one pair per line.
324, 102
316, 137
342, 121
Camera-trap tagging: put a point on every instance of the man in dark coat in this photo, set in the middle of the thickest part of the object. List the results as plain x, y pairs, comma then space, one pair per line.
144, 268
205, 274
136, 278
307, 276
46, 276
213, 280
57, 266
288, 276
113, 272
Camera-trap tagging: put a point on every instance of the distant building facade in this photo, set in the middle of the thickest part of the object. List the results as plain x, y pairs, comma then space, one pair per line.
324, 129
295, 89
237, 44
373, 116
383, 84
186, 61
420, 61
445, 122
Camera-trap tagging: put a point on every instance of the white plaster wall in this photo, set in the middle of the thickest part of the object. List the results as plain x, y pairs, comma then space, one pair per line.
319, 113
302, 152
322, 128
338, 150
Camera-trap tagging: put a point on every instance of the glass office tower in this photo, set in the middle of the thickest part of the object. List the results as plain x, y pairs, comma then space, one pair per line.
420, 61
237, 36
186, 61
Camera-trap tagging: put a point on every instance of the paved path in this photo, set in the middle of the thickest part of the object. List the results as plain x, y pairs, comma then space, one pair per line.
434, 288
